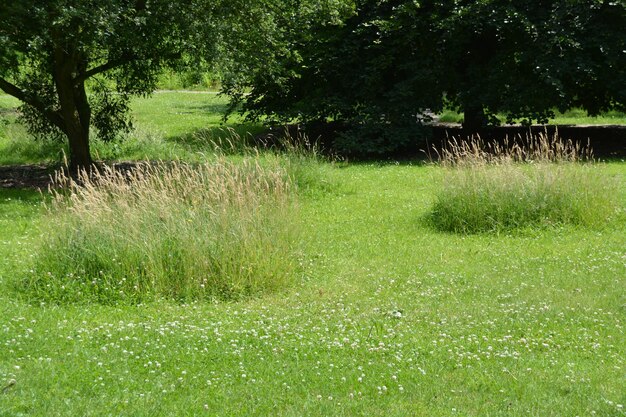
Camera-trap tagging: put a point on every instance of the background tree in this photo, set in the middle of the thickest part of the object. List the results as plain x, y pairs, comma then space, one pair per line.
381, 69
257, 66
526, 58
50, 50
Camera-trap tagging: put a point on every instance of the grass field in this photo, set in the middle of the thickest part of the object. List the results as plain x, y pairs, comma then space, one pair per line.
387, 316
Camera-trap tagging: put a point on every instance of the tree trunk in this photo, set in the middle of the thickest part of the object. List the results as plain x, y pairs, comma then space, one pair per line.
80, 156
75, 109
474, 118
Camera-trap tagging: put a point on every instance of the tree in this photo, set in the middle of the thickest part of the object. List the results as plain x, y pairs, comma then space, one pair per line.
525, 58
75, 64
260, 65
380, 69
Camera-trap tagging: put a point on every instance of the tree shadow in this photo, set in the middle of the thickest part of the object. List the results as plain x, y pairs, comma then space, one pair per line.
227, 137
26, 177
207, 108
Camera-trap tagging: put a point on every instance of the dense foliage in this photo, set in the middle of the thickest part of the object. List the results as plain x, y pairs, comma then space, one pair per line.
380, 69
527, 58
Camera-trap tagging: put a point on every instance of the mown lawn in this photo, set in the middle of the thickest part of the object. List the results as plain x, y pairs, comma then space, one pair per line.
388, 317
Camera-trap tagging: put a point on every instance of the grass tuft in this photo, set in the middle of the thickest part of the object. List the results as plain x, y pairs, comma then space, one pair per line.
218, 230
543, 182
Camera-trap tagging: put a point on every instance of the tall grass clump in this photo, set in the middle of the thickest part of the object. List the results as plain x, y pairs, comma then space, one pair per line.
217, 230
305, 162
300, 157
537, 183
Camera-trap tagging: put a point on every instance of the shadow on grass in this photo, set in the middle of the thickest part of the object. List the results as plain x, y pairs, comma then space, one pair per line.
207, 139
26, 176
209, 108
8, 112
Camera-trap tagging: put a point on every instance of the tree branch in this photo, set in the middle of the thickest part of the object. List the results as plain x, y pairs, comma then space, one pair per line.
15, 91
103, 68
21, 95
123, 60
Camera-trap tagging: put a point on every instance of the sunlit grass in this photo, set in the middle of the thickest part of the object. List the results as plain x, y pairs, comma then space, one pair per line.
389, 317
176, 114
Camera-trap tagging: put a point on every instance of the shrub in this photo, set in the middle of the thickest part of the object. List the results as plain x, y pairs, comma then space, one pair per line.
219, 230
543, 182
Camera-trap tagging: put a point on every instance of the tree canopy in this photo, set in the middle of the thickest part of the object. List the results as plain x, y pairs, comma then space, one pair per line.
382, 67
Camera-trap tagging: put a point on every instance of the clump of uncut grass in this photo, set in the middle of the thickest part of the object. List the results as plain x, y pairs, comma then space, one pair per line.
300, 157
305, 162
537, 183
219, 230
